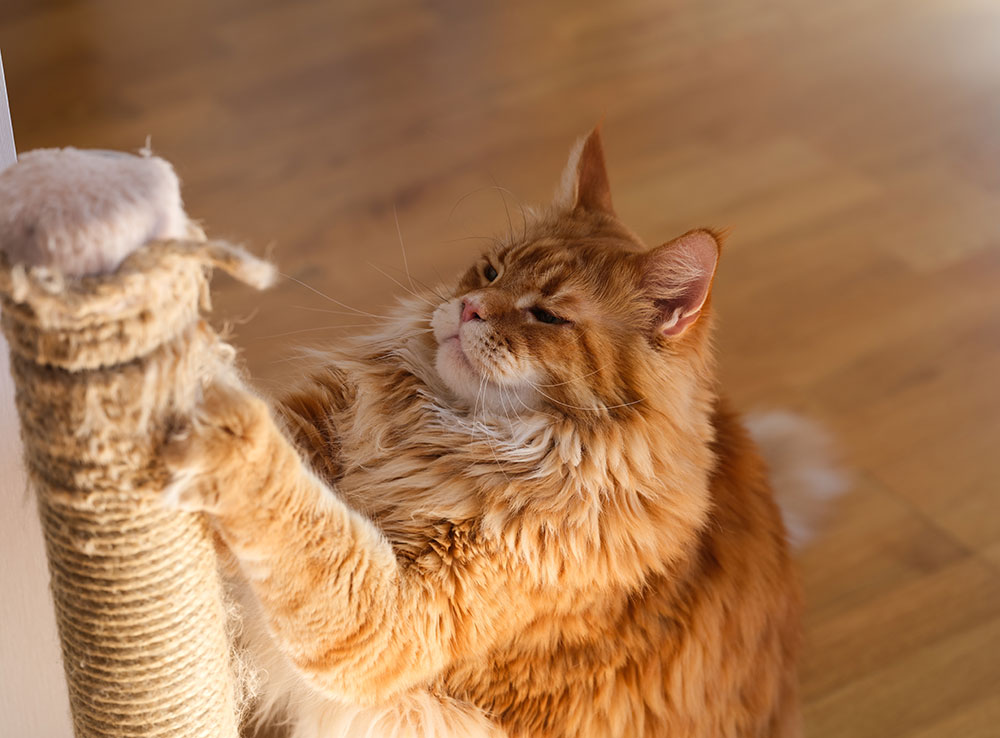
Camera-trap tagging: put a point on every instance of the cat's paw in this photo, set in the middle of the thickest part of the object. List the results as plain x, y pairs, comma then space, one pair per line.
212, 455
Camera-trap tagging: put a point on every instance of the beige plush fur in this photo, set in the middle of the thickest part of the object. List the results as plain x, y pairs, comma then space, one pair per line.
524, 512
83, 212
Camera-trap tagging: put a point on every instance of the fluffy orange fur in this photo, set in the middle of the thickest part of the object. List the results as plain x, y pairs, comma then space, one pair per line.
537, 518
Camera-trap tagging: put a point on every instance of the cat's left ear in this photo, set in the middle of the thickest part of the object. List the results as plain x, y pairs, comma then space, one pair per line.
584, 184
678, 277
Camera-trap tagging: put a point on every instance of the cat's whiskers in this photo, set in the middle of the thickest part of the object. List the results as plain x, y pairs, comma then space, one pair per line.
406, 268
524, 216
336, 327
520, 207
510, 225
402, 248
592, 408
570, 381
331, 299
400, 284
432, 290
503, 406
501, 190
479, 395
472, 192
462, 199
530, 409
482, 425
338, 312
381, 321
307, 330
504, 398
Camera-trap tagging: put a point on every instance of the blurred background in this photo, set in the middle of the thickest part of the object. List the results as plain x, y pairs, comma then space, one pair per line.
852, 148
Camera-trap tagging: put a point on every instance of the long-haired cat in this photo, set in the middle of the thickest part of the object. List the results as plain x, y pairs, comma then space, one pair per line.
538, 518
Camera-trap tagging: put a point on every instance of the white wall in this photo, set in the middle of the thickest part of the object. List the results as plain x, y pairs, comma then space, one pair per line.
33, 701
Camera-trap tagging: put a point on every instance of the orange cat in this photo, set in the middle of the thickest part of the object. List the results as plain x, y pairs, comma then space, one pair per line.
538, 518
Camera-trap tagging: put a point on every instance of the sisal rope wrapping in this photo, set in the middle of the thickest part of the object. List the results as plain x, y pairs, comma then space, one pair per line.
103, 366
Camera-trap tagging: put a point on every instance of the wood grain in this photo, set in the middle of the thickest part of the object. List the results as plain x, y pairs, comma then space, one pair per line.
851, 148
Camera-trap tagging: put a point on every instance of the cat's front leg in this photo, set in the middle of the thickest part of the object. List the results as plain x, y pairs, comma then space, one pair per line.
338, 603
231, 460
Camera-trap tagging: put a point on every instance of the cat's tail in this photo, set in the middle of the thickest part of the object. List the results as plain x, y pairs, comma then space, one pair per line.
803, 469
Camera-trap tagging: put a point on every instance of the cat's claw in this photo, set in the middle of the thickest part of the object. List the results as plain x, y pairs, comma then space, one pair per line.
208, 455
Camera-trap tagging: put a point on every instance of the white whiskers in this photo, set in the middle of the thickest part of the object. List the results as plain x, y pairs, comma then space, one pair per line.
337, 312
489, 441
592, 408
327, 297
402, 248
400, 284
570, 381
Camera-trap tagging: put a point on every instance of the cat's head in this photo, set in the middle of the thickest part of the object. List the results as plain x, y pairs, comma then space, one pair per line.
576, 315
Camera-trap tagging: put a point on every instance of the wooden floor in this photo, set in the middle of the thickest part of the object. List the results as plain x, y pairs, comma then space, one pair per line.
852, 147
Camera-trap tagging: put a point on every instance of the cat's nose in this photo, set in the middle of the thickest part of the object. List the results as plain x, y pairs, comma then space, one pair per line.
470, 311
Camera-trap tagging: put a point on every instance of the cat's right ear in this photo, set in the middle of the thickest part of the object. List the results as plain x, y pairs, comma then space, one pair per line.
678, 277
584, 184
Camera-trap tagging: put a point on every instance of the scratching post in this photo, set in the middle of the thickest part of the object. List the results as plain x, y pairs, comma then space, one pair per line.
104, 363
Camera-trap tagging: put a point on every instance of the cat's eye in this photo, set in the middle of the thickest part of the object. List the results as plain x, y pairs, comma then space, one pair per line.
544, 316
490, 273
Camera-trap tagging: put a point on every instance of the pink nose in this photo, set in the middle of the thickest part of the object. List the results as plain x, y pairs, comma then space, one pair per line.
470, 311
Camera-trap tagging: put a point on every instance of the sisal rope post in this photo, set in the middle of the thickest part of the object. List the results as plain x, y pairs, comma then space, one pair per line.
103, 366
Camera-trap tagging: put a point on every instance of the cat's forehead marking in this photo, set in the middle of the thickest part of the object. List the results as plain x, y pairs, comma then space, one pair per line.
532, 250
552, 282
544, 260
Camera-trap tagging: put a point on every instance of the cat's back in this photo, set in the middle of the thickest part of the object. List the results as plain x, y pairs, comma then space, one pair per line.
740, 638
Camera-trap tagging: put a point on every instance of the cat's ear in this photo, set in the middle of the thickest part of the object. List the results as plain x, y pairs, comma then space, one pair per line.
678, 276
584, 184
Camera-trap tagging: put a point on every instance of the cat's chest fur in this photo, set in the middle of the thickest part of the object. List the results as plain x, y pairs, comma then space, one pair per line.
380, 432
414, 464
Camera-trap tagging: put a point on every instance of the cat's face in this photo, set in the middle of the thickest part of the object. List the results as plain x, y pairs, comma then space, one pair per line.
567, 317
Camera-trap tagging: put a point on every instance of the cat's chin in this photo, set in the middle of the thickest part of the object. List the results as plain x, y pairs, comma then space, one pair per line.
457, 371
475, 390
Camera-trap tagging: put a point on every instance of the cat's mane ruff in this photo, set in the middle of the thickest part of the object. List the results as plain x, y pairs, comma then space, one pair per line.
615, 486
